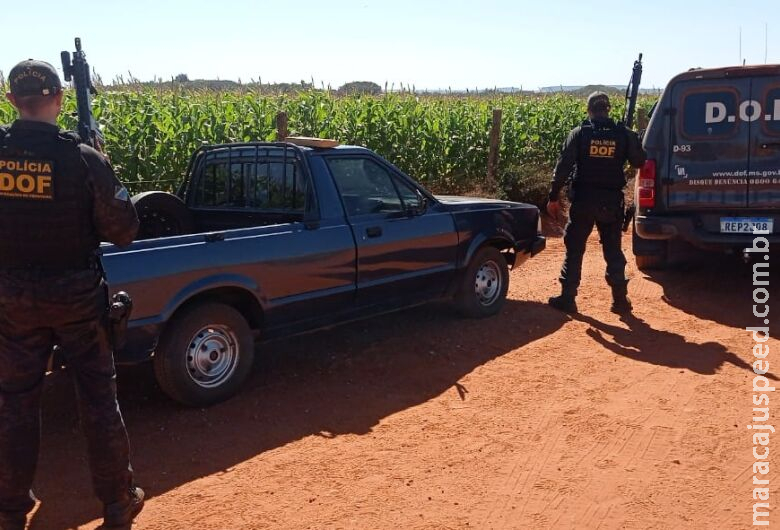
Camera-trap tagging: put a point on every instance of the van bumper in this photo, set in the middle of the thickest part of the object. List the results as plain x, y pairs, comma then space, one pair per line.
684, 228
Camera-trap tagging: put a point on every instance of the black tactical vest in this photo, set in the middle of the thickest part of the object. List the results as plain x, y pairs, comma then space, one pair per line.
602, 156
45, 201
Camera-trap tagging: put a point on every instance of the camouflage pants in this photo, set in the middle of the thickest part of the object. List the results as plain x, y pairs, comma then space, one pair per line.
607, 216
38, 311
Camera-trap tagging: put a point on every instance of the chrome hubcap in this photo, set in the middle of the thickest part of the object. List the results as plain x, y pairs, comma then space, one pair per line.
488, 283
212, 356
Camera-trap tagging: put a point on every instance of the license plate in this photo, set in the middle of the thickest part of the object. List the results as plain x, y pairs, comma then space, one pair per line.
746, 225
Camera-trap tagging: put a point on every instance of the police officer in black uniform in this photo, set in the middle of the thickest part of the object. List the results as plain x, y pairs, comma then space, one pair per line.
58, 199
593, 158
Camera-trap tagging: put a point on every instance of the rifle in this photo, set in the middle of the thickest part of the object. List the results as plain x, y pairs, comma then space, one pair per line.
78, 71
632, 93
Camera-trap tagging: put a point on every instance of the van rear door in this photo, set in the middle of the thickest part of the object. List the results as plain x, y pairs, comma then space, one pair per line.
764, 177
708, 165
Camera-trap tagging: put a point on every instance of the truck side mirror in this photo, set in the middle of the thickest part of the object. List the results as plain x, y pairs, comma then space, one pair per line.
422, 203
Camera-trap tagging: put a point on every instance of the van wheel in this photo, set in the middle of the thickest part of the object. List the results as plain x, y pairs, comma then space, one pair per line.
648, 263
204, 355
483, 290
649, 254
162, 215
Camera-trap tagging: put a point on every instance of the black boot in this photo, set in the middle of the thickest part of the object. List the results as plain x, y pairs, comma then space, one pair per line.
566, 302
122, 513
621, 305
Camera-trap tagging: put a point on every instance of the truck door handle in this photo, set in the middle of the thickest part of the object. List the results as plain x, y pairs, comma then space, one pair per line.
374, 231
774, 145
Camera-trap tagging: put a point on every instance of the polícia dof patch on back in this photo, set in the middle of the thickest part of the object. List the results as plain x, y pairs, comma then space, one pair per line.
602, 148
25, 178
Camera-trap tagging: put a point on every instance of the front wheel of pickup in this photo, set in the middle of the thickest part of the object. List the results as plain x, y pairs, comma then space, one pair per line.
204, 355
483, 290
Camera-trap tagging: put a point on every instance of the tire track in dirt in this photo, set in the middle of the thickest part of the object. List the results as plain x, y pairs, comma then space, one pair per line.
529, 420
636, 446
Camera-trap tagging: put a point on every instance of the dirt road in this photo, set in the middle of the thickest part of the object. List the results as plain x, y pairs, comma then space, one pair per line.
422, 420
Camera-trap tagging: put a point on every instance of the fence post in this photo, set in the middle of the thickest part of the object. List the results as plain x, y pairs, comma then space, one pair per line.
281, 126
495, 145
642, 119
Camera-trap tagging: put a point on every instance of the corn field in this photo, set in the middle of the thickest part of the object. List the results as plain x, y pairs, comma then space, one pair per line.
440, 140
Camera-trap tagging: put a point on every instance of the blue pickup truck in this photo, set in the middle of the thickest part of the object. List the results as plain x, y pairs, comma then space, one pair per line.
265, 240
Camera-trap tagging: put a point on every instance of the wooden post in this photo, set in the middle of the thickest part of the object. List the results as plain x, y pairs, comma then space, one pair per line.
641, 119
495, 145
281, 127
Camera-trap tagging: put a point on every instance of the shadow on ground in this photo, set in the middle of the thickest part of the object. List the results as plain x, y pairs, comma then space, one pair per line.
717, 287
330, 383
643, 343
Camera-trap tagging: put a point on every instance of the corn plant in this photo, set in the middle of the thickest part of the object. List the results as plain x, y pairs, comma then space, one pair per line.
441, 140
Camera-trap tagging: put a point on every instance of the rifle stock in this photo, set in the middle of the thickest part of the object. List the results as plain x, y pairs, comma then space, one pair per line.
77, 72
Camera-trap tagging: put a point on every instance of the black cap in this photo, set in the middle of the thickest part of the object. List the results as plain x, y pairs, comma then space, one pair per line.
598, 102
34, 78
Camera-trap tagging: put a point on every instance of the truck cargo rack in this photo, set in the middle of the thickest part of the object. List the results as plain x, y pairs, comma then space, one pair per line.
250, 152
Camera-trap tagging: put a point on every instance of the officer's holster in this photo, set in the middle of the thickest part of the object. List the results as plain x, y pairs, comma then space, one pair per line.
119, 312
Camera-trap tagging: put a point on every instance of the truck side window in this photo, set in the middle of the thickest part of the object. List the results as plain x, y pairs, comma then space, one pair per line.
409, 194
365, 186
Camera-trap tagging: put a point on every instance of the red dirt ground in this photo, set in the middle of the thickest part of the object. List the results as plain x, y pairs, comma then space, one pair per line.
421, 420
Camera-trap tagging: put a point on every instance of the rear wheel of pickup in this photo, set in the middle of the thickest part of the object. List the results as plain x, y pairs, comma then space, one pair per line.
204, 355
483, 290
162, 215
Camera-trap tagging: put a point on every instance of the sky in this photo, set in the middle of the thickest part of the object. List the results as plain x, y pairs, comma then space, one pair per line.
433, 44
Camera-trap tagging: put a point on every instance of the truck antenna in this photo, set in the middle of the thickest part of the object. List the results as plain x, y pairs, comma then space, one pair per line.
740, 46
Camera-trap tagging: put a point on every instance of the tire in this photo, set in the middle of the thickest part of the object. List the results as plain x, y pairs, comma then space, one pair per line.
483, 289
162, 215
649, 254
205, 354
649, 263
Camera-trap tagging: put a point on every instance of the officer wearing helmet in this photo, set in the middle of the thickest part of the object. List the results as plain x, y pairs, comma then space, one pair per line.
592, 163
59, 198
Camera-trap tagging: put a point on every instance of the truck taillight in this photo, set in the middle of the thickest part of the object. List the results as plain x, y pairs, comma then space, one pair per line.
645, 190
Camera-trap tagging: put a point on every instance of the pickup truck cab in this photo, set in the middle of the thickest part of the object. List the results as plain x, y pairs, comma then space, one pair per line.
713, 163
288, 238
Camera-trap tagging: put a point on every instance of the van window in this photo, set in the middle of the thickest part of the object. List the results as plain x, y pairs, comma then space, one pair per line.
772, 106
710, 114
